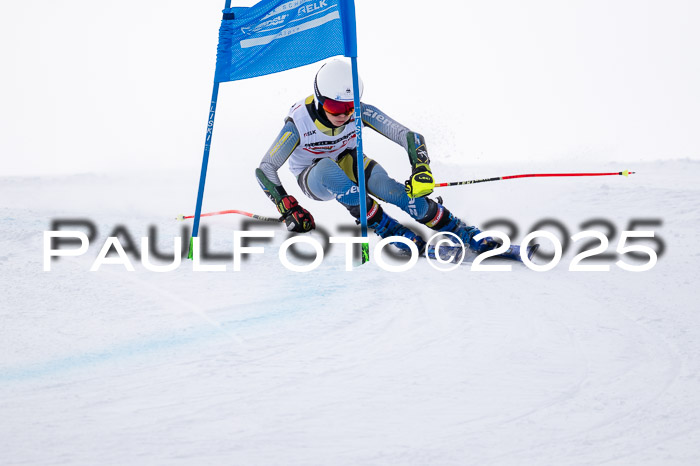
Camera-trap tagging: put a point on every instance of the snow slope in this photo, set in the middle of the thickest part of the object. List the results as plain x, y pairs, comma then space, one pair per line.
267, 366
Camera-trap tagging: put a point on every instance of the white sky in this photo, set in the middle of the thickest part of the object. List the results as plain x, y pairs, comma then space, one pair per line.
96, 86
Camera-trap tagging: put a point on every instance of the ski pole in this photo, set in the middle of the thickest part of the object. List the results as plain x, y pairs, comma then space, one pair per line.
240, 212
510, 177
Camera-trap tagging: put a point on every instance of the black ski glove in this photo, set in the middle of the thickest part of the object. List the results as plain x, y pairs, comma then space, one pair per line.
295, 216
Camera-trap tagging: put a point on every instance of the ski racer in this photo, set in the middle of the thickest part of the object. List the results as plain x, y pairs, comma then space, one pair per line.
318, 140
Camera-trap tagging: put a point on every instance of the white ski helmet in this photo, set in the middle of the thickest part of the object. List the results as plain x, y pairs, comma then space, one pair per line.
334, 81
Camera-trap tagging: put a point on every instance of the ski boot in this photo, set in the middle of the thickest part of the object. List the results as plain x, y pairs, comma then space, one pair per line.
386, 226
467, 233
441, 219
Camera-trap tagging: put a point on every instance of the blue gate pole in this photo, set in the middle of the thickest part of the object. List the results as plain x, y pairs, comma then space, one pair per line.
205, 158
360, 160
350, 36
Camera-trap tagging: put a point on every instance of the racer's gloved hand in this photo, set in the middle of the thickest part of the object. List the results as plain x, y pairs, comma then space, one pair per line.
421, 183
295, 216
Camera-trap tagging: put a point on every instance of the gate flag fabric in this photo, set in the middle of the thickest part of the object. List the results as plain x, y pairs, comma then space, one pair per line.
278, 35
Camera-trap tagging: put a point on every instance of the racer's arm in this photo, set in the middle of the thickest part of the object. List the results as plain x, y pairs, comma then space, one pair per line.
266, 173
296, 217
421, 183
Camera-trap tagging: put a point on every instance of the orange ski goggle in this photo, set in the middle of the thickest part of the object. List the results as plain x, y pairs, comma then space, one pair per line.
335, 107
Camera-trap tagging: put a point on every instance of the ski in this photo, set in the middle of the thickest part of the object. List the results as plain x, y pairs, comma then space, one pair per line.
513, 252
455, 254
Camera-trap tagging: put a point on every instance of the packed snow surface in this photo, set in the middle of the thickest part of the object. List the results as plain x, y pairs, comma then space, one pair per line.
268, 367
